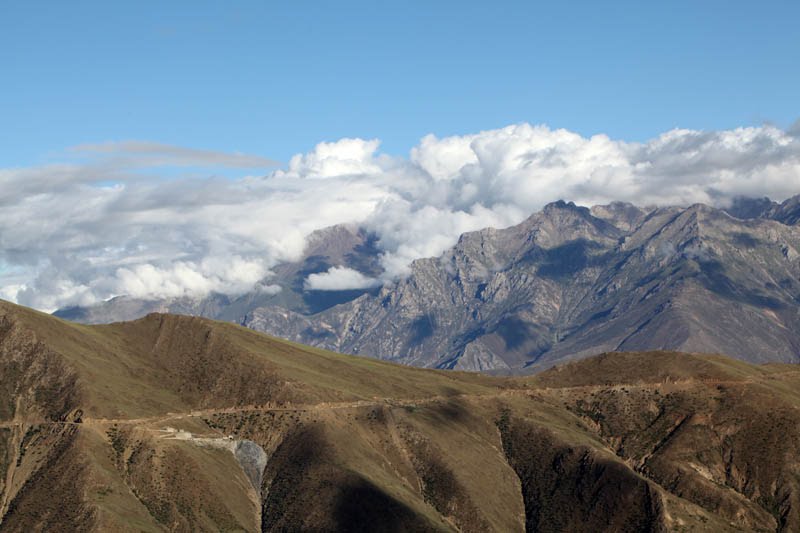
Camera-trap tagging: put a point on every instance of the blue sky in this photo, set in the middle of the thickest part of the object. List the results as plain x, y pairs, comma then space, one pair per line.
273, 79
171, 149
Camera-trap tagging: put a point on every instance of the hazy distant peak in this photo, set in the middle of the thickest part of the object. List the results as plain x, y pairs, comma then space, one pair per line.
623, 215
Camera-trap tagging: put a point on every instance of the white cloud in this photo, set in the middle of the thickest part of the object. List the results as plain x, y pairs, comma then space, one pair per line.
339, 279
182, 278
345, 157
83, 231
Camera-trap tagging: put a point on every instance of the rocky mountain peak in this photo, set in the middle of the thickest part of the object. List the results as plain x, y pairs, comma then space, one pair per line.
746, 208
567, 282
622, 215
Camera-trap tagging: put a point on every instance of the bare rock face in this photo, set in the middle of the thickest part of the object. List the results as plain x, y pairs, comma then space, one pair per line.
572, 282
253, 460
568, 282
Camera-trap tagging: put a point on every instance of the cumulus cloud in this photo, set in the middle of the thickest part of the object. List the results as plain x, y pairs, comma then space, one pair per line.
186, 278
339, 279
77, 232
346, 157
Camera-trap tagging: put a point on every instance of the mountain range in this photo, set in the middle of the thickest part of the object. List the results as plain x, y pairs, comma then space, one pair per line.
566, 283
177, 423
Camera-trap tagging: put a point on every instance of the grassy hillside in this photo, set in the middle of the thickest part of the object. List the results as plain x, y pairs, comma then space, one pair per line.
164, 363
173, 423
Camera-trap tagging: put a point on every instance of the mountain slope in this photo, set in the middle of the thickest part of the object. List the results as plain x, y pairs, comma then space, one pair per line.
567, 282
572, 282
184, 424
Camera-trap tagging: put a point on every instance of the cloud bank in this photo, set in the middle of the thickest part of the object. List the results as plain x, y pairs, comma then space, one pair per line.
75, 233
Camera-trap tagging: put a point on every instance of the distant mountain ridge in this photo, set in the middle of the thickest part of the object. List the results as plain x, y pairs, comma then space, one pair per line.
566, 283
787, 212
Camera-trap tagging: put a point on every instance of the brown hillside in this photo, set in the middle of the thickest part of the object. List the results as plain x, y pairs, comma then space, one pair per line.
173, 423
